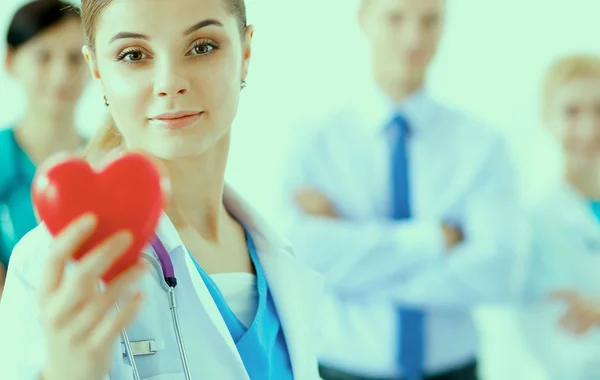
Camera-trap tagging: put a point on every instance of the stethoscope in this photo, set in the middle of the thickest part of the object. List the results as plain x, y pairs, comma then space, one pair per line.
165, 265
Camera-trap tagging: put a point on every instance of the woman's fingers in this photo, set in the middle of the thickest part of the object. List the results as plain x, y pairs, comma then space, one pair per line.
95, 311
84, 283
101, 258
105, 335
63, 249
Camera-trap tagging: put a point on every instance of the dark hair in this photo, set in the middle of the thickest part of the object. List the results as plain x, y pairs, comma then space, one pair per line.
36, 17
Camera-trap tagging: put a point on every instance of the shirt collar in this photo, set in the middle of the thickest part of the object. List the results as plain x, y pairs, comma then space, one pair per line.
380, 109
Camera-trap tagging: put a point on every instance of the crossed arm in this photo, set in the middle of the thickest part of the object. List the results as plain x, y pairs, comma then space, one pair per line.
582, 312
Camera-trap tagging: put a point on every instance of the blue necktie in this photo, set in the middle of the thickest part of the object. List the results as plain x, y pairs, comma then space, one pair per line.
411, 350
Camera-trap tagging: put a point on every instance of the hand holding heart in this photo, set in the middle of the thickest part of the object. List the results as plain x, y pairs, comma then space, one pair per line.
102, 220
127, 194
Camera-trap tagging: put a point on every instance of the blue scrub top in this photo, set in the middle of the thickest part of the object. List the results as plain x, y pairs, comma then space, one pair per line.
595, 206
261, 346
17, 217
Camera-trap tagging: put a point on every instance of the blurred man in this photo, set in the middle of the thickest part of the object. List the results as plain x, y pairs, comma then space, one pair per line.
410, 210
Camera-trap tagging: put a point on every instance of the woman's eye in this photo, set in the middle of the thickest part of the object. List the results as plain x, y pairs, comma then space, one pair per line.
134, 56
202, 49
131, 56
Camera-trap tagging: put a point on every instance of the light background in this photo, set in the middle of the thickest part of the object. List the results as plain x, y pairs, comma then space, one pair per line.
308, 54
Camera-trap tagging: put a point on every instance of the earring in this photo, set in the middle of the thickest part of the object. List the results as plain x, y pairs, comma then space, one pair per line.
243, 84
105, 101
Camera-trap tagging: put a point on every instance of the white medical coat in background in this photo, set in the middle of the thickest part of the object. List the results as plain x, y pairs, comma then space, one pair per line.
210, 349
565, 255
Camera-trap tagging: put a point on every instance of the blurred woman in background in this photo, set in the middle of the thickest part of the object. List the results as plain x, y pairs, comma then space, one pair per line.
43, 55
561, 329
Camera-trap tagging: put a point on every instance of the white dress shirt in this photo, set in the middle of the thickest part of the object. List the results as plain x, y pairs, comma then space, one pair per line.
460, 173
565, 255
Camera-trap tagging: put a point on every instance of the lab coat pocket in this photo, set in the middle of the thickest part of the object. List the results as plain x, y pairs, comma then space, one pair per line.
152, 336
125, 372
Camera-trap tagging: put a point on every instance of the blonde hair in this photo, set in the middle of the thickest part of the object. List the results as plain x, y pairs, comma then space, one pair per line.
565, 70
108, 136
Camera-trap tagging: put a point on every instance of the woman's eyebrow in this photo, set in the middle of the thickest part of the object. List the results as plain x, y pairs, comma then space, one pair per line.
188, 31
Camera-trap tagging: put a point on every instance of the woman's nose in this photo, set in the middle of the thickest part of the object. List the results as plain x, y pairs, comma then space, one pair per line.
171, 83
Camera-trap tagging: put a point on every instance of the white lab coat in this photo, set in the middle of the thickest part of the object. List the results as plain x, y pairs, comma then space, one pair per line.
211, 351
565, 254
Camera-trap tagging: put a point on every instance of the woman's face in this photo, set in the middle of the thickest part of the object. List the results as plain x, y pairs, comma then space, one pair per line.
574, 119
171, 71
50, 67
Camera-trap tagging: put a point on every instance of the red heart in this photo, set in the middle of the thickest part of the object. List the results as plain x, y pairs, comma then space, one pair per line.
126, 194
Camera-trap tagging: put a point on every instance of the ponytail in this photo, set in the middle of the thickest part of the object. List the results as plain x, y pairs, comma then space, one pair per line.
107, 139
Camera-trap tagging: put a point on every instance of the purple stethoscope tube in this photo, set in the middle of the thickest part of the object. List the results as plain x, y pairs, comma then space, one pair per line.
165, 261
168, 272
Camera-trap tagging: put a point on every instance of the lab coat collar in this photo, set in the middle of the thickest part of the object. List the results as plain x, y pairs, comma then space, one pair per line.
293, 286
579, 215
239, 208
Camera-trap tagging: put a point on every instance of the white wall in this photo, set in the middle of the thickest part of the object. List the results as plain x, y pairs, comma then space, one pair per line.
307, 53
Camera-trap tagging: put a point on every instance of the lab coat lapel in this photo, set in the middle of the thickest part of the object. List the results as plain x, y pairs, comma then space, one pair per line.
579, 217
580, 214
187, 272
294, 287
211, 308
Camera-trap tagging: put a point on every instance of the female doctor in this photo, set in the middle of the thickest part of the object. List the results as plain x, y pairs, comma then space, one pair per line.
563, 287
171, 72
